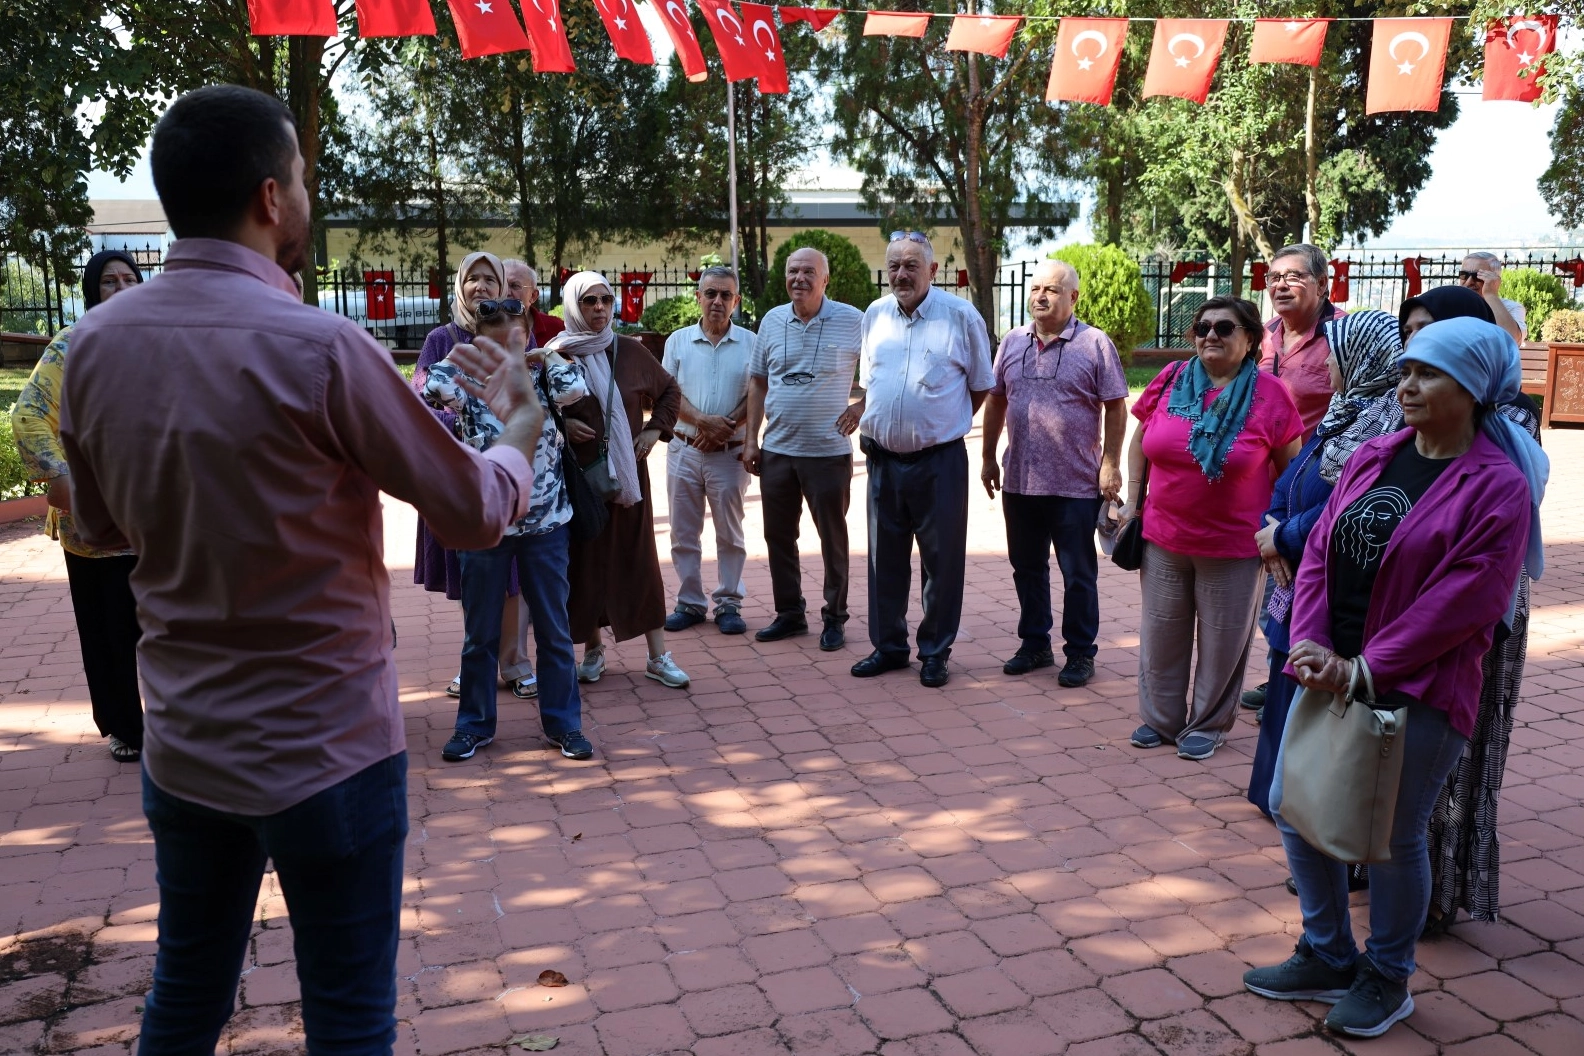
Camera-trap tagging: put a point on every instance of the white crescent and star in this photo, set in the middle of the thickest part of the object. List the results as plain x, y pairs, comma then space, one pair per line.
1087, 61
721, 15
1536, 27
770, 35
1193, 38
1406, 66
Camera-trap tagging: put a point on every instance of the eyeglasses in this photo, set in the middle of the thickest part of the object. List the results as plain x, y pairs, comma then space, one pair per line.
1287, 278
490, 309
1224, 328
589, 300
717, 295
797, 377
909, 236
1469, 276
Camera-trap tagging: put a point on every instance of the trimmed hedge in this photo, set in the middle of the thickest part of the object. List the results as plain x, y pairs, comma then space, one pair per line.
1539, 293
671, 314
1112, 296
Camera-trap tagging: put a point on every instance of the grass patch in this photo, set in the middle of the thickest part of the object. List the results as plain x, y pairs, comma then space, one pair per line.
11, 381
1139, 377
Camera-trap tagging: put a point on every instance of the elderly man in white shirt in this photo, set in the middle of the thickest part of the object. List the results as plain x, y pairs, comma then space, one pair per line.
1481, 272
710, 361
925, 369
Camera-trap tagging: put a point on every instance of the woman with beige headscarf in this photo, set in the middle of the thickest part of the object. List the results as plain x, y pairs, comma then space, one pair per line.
616, 577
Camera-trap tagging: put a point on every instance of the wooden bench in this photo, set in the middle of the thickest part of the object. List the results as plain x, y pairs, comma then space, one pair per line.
1535, 359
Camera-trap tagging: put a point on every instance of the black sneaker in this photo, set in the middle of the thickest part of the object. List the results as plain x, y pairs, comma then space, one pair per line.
1371, 1005
1302, 977
1146, 737
682, 619
462, 746
573, 745
1255, 698
1078, 670
730, 621
1025, 660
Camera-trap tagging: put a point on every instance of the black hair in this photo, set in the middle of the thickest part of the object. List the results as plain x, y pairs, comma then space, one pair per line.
1246, 314
212, 149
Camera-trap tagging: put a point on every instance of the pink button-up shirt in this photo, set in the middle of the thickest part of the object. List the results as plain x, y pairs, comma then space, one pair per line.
1302, 368
239, 440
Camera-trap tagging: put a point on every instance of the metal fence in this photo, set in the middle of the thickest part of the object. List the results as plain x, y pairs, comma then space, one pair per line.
400, 305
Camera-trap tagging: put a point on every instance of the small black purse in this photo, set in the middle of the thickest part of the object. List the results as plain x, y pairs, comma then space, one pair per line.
590, 515
1128, 550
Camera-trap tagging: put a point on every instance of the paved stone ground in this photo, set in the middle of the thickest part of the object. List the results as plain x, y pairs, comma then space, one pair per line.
783, 859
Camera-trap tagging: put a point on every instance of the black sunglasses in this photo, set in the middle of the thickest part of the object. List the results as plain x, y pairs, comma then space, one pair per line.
1224, 328
490, 309
1467, 276
589, 300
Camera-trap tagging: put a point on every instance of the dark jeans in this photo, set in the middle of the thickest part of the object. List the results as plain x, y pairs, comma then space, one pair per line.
542, 573
338, 856
108, 632
785, 483
1035, 523
925, 500
1280, 692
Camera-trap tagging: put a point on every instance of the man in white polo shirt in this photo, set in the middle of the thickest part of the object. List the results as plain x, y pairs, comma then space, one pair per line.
925, 369
798, 386
704, 465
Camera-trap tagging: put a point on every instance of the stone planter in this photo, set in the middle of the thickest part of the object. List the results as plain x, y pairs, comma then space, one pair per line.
21, 509
1564, 390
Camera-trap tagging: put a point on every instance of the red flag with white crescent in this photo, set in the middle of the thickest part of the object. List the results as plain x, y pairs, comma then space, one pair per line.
740, 61
1407, 61
985, 34
1298, 41
818, 17
892, 24
547, 37
1511, 45
1088, 52
762, 35
626, 31
486, 27
282, 18
1183, 57
674, 16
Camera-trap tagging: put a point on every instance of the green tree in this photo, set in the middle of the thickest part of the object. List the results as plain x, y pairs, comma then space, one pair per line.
1112, 296
851, 281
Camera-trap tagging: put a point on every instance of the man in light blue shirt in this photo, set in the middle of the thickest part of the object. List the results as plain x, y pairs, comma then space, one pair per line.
925, 369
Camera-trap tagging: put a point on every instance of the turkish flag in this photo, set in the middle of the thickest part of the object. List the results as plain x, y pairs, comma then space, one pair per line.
1414, 275
633, 284
1298, 41
1183, 57
1088, 52
1407, 59
626, 31
1574, 268
887, 24
985, 34
818, 17
285, 18
763, 37
1184, 268
379, 295
1339, 280
674, 16
1510, 46
487, 27
395, 18
740, 61
1257, 276
547, 38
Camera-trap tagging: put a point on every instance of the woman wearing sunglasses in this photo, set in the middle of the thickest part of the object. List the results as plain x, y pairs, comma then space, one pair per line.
1213, 435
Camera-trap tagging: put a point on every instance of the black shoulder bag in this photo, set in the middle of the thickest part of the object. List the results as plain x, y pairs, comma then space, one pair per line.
1128, 552
590, 515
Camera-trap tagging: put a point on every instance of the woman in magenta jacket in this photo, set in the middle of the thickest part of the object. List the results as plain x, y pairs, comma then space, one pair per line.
1413, 563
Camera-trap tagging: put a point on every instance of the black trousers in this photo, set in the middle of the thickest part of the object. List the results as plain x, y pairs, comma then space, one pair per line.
924, 501
786, 482
108, 631
1034, 525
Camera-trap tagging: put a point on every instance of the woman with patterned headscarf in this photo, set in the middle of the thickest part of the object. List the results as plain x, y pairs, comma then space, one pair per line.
1364, 362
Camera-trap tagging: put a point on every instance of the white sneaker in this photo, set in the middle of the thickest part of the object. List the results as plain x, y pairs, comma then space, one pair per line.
665, 671
592, 667
454, 688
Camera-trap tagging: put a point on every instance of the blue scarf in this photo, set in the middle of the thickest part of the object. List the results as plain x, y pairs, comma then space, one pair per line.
1216, 427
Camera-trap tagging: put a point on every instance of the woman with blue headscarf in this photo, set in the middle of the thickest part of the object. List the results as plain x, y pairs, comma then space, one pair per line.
1414, 561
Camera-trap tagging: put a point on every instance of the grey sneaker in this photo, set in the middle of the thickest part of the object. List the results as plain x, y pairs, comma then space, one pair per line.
1371, 1005
1302, 977
593, 665
665, 671
1146, 737
1197, 746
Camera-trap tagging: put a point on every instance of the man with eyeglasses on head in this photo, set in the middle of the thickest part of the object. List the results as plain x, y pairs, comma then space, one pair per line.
925, 369
1481, 272
1052, 378
799, 384
710, 362
1294, 348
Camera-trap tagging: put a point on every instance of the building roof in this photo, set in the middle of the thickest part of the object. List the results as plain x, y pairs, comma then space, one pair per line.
127, 216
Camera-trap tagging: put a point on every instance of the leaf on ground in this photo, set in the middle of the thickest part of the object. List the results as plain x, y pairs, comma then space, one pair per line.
551, 977
536, 1042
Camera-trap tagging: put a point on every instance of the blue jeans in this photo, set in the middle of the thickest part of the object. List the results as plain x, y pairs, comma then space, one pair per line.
338, 856
1400, 888
1034, 524
542, 574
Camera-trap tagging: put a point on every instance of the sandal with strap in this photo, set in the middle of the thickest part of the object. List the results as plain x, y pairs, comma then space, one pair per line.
123, 752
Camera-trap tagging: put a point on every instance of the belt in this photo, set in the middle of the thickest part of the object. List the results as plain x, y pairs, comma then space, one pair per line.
873, 449
694, 441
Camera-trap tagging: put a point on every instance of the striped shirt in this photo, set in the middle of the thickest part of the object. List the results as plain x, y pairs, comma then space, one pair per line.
809, 368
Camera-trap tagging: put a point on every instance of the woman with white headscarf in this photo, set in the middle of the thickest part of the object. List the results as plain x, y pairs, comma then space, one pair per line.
616, 577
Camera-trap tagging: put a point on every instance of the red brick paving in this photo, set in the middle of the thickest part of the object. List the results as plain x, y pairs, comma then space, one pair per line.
783, 859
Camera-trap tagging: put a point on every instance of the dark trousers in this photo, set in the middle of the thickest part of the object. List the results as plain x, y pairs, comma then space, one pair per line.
927, 501
1035, 524
786, 482
338, 857
108, 632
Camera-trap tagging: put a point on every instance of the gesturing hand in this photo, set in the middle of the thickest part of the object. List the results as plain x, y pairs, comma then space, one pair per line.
499, 376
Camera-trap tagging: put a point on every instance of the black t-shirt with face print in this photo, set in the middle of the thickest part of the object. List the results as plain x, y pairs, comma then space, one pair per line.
1360, 535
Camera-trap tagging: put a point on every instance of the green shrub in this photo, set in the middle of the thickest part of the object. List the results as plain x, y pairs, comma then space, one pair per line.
851, 281
1564, 327
1539, 293
1112, 296
14, 483
672, 313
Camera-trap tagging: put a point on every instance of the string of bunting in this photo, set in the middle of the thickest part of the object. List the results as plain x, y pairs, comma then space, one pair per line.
1406, 70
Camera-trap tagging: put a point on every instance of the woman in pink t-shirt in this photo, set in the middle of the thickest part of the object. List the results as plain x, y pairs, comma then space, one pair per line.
1216, 432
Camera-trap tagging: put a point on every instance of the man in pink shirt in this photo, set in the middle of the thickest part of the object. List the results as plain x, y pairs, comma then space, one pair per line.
238, 441
1294, 348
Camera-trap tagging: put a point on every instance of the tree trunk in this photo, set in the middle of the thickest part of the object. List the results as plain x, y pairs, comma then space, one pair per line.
1232, 183
1311, 159
979, 251
1112, 187
442, 221
304, 86
519, 164
1236, 263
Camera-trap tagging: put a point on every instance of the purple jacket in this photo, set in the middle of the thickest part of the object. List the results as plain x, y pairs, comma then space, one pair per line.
1445, 580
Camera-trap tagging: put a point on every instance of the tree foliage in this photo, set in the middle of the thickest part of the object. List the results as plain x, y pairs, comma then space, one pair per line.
1111, 295
851, 281
1539, 293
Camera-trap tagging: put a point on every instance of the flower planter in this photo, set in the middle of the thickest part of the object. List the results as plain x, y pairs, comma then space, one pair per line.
21, 509
1564, 391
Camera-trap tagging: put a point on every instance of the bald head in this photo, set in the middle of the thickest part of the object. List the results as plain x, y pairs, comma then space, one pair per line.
807, 275
1053, 291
